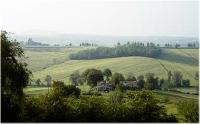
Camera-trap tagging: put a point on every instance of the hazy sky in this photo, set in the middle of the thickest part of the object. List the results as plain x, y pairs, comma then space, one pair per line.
104, 17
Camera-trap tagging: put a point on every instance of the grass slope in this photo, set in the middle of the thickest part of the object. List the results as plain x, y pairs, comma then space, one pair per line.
40, 60
172, 59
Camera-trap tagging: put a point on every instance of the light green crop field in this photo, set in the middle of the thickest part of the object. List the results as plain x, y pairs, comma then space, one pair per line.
40, 60
184, 60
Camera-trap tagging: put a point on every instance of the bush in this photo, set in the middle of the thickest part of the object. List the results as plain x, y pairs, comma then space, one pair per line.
141, 106
186, 83
60, 89
71, 90
190, 110
95, 93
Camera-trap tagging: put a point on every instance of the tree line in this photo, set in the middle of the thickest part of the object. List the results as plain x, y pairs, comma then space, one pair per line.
148, 81
129, 49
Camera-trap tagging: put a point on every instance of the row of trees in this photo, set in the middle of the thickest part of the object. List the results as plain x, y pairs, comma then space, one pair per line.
133, 49
189, 45
149, 81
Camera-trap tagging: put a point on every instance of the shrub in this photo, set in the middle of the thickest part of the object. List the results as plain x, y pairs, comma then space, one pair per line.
190, 110
186, 83
60, 89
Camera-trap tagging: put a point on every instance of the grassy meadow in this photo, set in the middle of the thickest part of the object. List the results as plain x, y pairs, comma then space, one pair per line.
184, 60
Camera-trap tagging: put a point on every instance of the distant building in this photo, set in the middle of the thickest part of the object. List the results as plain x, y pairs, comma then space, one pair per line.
105, 86
129, 84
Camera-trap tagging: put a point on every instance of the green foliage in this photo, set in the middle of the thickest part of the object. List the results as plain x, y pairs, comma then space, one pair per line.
57, 84
190, 110
75, 78
107, 72
59, 89
134, 49
92, 76
186, 83
38, 82
140, 106
14, 77
48, 79
151, 82
116, 78
177, 78
71, 90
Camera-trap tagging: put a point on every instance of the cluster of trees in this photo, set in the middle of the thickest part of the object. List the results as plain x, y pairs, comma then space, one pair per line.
192, 45
133, 49
176, 80
149, 81
87, 44
138, 107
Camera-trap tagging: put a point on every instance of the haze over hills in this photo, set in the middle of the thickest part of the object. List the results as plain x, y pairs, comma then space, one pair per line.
105, 40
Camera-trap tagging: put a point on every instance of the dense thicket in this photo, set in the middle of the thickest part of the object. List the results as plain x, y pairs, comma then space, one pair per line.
134, 49
140, 106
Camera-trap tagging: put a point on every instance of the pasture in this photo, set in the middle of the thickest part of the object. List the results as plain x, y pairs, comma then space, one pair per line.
184, 60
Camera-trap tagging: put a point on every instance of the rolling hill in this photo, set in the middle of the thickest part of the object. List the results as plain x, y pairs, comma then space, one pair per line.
184, 60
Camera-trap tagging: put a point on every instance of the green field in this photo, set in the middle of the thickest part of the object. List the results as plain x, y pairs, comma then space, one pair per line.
40, 60
184, 60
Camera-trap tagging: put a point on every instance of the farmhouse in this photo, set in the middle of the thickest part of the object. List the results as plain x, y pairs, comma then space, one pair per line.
129, 84
105, 86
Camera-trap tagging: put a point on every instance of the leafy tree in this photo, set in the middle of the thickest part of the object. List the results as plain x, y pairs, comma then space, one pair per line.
177, 78
161, 82
108, 73
93, 76
57, 84
116, 78
190, 110
186, 83
60, 89
14, 77
169, 74
48, 79
38, 82
75, 78
151, 81
140, 81
84, 75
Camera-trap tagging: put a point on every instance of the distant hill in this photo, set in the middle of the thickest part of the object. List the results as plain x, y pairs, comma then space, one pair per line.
103, 40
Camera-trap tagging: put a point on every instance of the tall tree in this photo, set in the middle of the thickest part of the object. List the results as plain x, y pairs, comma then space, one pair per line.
177, 78
116, 78
48, 79
107, 72
92, 76
14, 77
75, 78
